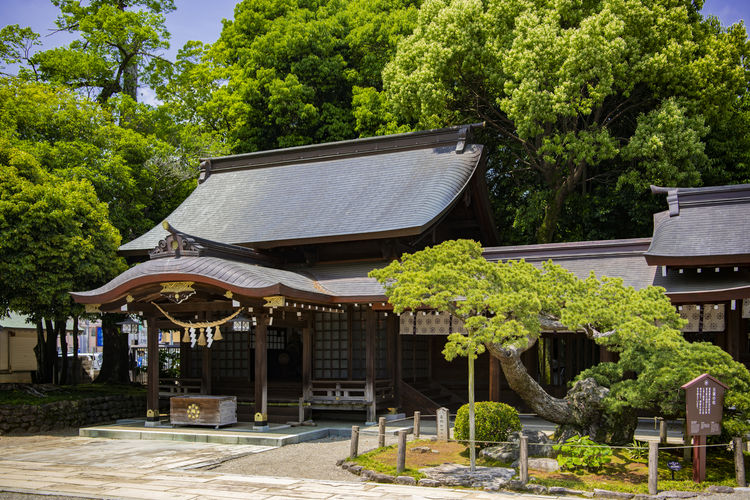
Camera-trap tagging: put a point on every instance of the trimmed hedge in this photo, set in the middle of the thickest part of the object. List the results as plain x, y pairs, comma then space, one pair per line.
492, 422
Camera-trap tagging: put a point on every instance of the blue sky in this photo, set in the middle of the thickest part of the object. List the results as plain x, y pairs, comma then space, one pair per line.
201, 19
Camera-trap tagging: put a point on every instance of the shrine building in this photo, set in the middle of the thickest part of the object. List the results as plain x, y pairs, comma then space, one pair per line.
260, 277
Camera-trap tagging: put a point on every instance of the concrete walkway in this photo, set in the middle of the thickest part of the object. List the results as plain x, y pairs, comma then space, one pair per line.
103, 468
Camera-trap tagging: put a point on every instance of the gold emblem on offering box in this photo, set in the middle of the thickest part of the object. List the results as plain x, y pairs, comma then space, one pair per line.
193, 411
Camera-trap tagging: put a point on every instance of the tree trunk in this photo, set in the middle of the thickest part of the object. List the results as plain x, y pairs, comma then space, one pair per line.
76, 360
581, 412
549, 408
472, 420
50, 346
60, 325
40, 351
115, 352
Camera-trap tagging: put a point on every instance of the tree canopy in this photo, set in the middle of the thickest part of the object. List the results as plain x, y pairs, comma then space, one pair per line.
505, 306
599, 98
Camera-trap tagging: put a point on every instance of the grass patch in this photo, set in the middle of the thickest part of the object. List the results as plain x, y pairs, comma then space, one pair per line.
51, 393
623, 474
384, 459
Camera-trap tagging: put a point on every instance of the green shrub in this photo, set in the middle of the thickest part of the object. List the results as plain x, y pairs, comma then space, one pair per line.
492, 422
580, 452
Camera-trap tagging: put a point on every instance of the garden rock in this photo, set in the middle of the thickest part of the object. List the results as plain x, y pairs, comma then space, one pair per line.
677, 494
544, 464
559, 490
379, 477
538, 442
429, 482
612, 494
421, 449
408, 480
715, 488
461, 475
356, 469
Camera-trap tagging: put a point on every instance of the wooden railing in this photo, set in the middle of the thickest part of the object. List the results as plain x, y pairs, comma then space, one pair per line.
179, 386
412, 399
349, 391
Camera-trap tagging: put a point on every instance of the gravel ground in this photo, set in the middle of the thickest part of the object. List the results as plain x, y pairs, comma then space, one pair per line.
311, 460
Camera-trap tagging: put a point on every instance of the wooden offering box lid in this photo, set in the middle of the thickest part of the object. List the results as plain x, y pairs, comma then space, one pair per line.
203, 410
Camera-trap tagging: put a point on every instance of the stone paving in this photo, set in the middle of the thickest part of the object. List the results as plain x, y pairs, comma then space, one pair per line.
103, 468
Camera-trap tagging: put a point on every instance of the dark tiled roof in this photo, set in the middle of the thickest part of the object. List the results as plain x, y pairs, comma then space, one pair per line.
614, 258
688, 285
703, 226
238, 275
370, 188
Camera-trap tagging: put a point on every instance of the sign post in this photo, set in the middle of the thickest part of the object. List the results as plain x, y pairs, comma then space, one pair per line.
704, 401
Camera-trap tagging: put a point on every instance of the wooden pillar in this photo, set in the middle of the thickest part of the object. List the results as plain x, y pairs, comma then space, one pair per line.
152, 372
307, 359
494, 378
261, 370
392, 326
370, 348
398, 369
733, 328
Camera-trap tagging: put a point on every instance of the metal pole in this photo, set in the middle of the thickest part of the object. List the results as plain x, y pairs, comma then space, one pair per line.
523, 459
381, 432
417, 416
401, 464
355, 442
653, 467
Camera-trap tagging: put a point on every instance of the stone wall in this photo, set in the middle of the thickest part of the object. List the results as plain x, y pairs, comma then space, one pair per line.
62, 414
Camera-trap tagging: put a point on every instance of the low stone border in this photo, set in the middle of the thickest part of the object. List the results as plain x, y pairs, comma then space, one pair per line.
62, 414
538, 489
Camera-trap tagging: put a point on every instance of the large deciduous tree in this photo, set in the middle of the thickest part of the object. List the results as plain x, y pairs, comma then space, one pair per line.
118, 41
284, 73
55, 237
506, 305
600, 97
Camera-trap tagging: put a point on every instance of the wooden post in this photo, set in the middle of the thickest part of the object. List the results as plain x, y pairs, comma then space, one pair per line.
401, 464
261, 371
391, 335
523, 459
355, 442
494, 379
417, 417
381, 432
739, 462
371, 319
307, 357
301, 410
152, 372
399, 366
662, 431
653, 467
699, 459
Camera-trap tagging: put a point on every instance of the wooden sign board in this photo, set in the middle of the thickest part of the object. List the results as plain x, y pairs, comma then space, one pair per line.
704, 397
704, 406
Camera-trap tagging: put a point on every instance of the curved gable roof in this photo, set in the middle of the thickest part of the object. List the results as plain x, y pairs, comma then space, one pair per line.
364, 189
703, 226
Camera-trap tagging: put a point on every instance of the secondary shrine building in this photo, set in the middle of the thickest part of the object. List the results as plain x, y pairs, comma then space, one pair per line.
260, 277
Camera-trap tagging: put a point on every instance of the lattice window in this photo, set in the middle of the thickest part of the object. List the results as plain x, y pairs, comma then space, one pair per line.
415, 357
359, 345
331, 346
230, 357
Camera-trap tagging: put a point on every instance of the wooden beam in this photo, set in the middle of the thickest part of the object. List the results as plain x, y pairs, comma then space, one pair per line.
371, 325
261, 367
733, 328
307, 354
494, 378
152, 372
